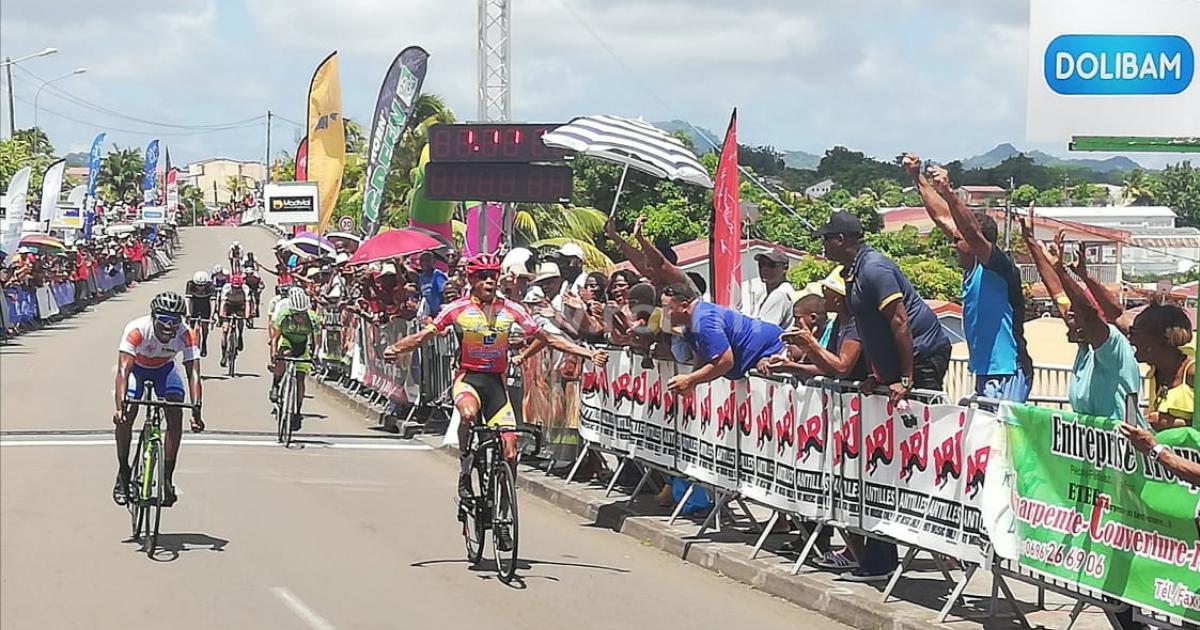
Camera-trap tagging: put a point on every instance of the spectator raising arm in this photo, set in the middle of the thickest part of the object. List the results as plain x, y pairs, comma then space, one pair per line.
631, 253
1041, 260
964, 219
1087, 318
1110, 306
935, 206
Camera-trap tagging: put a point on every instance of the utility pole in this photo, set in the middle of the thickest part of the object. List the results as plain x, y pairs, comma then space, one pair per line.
12, 120
268, 177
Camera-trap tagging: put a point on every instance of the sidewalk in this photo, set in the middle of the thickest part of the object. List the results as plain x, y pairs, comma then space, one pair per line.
914, 604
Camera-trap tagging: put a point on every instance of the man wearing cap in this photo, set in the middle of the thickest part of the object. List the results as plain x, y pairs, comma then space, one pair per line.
903, 340
432, 283
550, 279
776, 306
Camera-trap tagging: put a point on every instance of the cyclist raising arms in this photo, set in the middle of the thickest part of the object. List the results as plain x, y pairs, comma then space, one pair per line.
200, 295
147, 353
483, 322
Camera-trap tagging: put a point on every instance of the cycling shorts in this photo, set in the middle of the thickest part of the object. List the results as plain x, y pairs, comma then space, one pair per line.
296, 348
491, 393
234, 309
165, 381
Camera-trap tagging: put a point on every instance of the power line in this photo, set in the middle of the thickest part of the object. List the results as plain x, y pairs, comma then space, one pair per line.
288, 120
137, 131
61, 93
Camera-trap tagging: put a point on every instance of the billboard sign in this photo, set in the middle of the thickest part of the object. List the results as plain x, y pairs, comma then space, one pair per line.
291, 203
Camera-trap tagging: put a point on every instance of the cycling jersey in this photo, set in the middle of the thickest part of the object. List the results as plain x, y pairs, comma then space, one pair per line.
200, 299
140, 341
291, 329
233, 295
219, 280
483, 331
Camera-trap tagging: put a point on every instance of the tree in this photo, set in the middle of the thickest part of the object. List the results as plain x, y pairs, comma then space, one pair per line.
545, 226
120, 175
1178, 187
36, 141
1024, 195
809, 269
191, 199
1136, 188
284, 168
1050, 197
235, 186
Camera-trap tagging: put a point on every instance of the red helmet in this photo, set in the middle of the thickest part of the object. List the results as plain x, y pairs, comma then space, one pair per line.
237, 280
483, 262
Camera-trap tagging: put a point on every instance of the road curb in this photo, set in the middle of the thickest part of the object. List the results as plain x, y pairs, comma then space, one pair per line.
855, 605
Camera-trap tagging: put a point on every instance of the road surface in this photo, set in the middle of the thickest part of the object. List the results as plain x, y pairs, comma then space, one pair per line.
356, 530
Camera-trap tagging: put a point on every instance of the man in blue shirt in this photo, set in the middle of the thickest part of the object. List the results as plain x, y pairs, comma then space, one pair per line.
432, 283
993, 303
726, 342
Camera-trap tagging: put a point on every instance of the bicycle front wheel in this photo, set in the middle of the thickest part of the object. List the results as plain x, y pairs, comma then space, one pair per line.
155, 481
134, 500
504, 515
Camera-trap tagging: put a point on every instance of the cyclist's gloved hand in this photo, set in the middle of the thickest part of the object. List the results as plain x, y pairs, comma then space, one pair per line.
197, 422
119, 416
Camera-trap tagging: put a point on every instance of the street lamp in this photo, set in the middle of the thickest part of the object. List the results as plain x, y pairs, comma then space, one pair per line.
7, 64
38, 93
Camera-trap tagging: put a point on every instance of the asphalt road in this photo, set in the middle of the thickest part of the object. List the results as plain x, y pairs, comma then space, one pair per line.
355, 530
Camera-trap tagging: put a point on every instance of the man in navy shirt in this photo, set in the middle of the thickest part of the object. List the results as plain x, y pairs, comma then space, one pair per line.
726, 343
993, 303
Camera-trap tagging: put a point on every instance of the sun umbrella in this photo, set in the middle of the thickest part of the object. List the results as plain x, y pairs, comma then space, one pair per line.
344, 241
312, 244
117, 229
42, 243
393, 244
635, 143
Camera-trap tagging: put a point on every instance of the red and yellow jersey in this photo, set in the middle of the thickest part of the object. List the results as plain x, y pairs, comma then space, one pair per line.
148, 352
483, 331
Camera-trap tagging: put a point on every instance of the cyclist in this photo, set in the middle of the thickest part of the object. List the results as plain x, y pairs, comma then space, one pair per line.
293, 334
200, 296
235, 257
254, 283
232, 303
483, 322
250, 264
219, 277
147, 353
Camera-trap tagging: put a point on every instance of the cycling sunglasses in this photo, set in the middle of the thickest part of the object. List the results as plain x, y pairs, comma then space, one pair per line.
485, 275
168, 320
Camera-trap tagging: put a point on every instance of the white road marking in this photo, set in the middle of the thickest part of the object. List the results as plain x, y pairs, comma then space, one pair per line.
366, 446
308, 615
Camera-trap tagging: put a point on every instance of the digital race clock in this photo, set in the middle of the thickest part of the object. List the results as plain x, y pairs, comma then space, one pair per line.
518, 183
492, 142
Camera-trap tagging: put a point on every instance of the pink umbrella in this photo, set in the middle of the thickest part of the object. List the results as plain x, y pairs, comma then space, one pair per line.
393, 244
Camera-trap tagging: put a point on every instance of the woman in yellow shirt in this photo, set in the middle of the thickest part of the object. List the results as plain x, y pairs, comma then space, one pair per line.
1161, 336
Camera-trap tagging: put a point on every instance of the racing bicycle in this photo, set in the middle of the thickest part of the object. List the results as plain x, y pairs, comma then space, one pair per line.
493, 500
232, 341
287, 402
148, 479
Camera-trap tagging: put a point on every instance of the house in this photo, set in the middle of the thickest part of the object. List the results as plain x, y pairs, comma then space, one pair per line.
1154, 246
981, 196
212, 177
819, 189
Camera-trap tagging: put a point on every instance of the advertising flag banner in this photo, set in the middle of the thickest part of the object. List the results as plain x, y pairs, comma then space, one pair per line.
149, 173
326, 137
1092, 510
393, 110
51, 188
302, 160
89, 212
726, 243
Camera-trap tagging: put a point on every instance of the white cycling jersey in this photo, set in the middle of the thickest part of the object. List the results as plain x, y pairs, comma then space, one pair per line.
140, 341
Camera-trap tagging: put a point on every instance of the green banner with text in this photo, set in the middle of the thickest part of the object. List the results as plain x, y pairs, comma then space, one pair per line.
1093, 510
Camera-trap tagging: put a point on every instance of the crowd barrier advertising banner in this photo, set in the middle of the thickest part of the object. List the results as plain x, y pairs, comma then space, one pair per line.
1092, 510
395, 380
802, 456
845, 439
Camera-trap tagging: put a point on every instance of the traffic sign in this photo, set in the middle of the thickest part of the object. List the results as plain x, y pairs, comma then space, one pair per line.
346, 224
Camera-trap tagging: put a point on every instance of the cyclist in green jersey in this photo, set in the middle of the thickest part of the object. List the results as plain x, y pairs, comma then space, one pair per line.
293, 334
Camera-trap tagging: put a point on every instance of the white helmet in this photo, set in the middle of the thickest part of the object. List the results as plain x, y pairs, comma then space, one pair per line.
201, 277
217, 268
298, 300
236, 244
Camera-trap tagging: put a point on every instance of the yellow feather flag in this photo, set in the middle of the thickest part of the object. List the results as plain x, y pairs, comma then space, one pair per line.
326, 136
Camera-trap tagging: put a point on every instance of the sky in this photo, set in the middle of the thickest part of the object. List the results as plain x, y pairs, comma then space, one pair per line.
945, 79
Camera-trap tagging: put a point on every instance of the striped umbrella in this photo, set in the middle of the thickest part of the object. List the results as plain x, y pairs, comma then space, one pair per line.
634, 143
312, 244
43, 243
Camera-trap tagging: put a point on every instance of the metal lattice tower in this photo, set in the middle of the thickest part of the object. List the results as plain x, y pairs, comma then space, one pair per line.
495, 103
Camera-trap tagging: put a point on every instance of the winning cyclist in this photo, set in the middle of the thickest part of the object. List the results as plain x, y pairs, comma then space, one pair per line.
483, 322
293, 334
200, 295
232, 303
147, 353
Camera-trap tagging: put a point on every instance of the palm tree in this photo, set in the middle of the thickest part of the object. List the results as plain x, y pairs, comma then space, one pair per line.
1137, 189
36, 140
121, 174
553, 225
236, 187
428, 110
191, 199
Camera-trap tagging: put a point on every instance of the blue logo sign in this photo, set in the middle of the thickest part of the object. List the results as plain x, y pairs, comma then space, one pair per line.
1119, 64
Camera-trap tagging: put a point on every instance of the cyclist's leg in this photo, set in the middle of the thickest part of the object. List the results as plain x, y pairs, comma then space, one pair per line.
497, 411
466, 401
168, 384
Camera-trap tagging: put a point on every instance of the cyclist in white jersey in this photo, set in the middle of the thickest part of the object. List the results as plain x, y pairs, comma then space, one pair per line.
147, 353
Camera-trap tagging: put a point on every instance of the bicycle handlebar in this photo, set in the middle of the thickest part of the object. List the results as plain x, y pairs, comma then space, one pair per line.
533, 431
160, 404
293, 360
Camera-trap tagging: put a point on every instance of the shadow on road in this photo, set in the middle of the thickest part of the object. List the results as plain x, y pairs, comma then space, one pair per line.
171, 545
487, 569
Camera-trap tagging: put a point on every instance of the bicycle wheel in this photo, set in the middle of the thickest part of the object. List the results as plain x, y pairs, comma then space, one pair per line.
283, 431
473, 513
154, 479
285, 407
504, 513
231, 353
137, 509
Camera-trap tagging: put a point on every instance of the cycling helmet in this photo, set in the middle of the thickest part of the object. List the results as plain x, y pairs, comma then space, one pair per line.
249, 255
236, 244
282, 289
298, 299
237, 280
201, 277
167, 303
482, 263
217, 268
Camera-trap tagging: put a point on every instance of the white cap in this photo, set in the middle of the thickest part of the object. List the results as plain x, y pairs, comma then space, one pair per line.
546, 271
387, 269
517, 256
571, 249
534, 295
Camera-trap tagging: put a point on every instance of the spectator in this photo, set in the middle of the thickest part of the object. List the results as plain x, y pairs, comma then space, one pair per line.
1158, 335
902, 338
992, 299
569, 258
432, 283
776, 305
549, 279
726, 343
833, 350
650, 261
1143, 440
